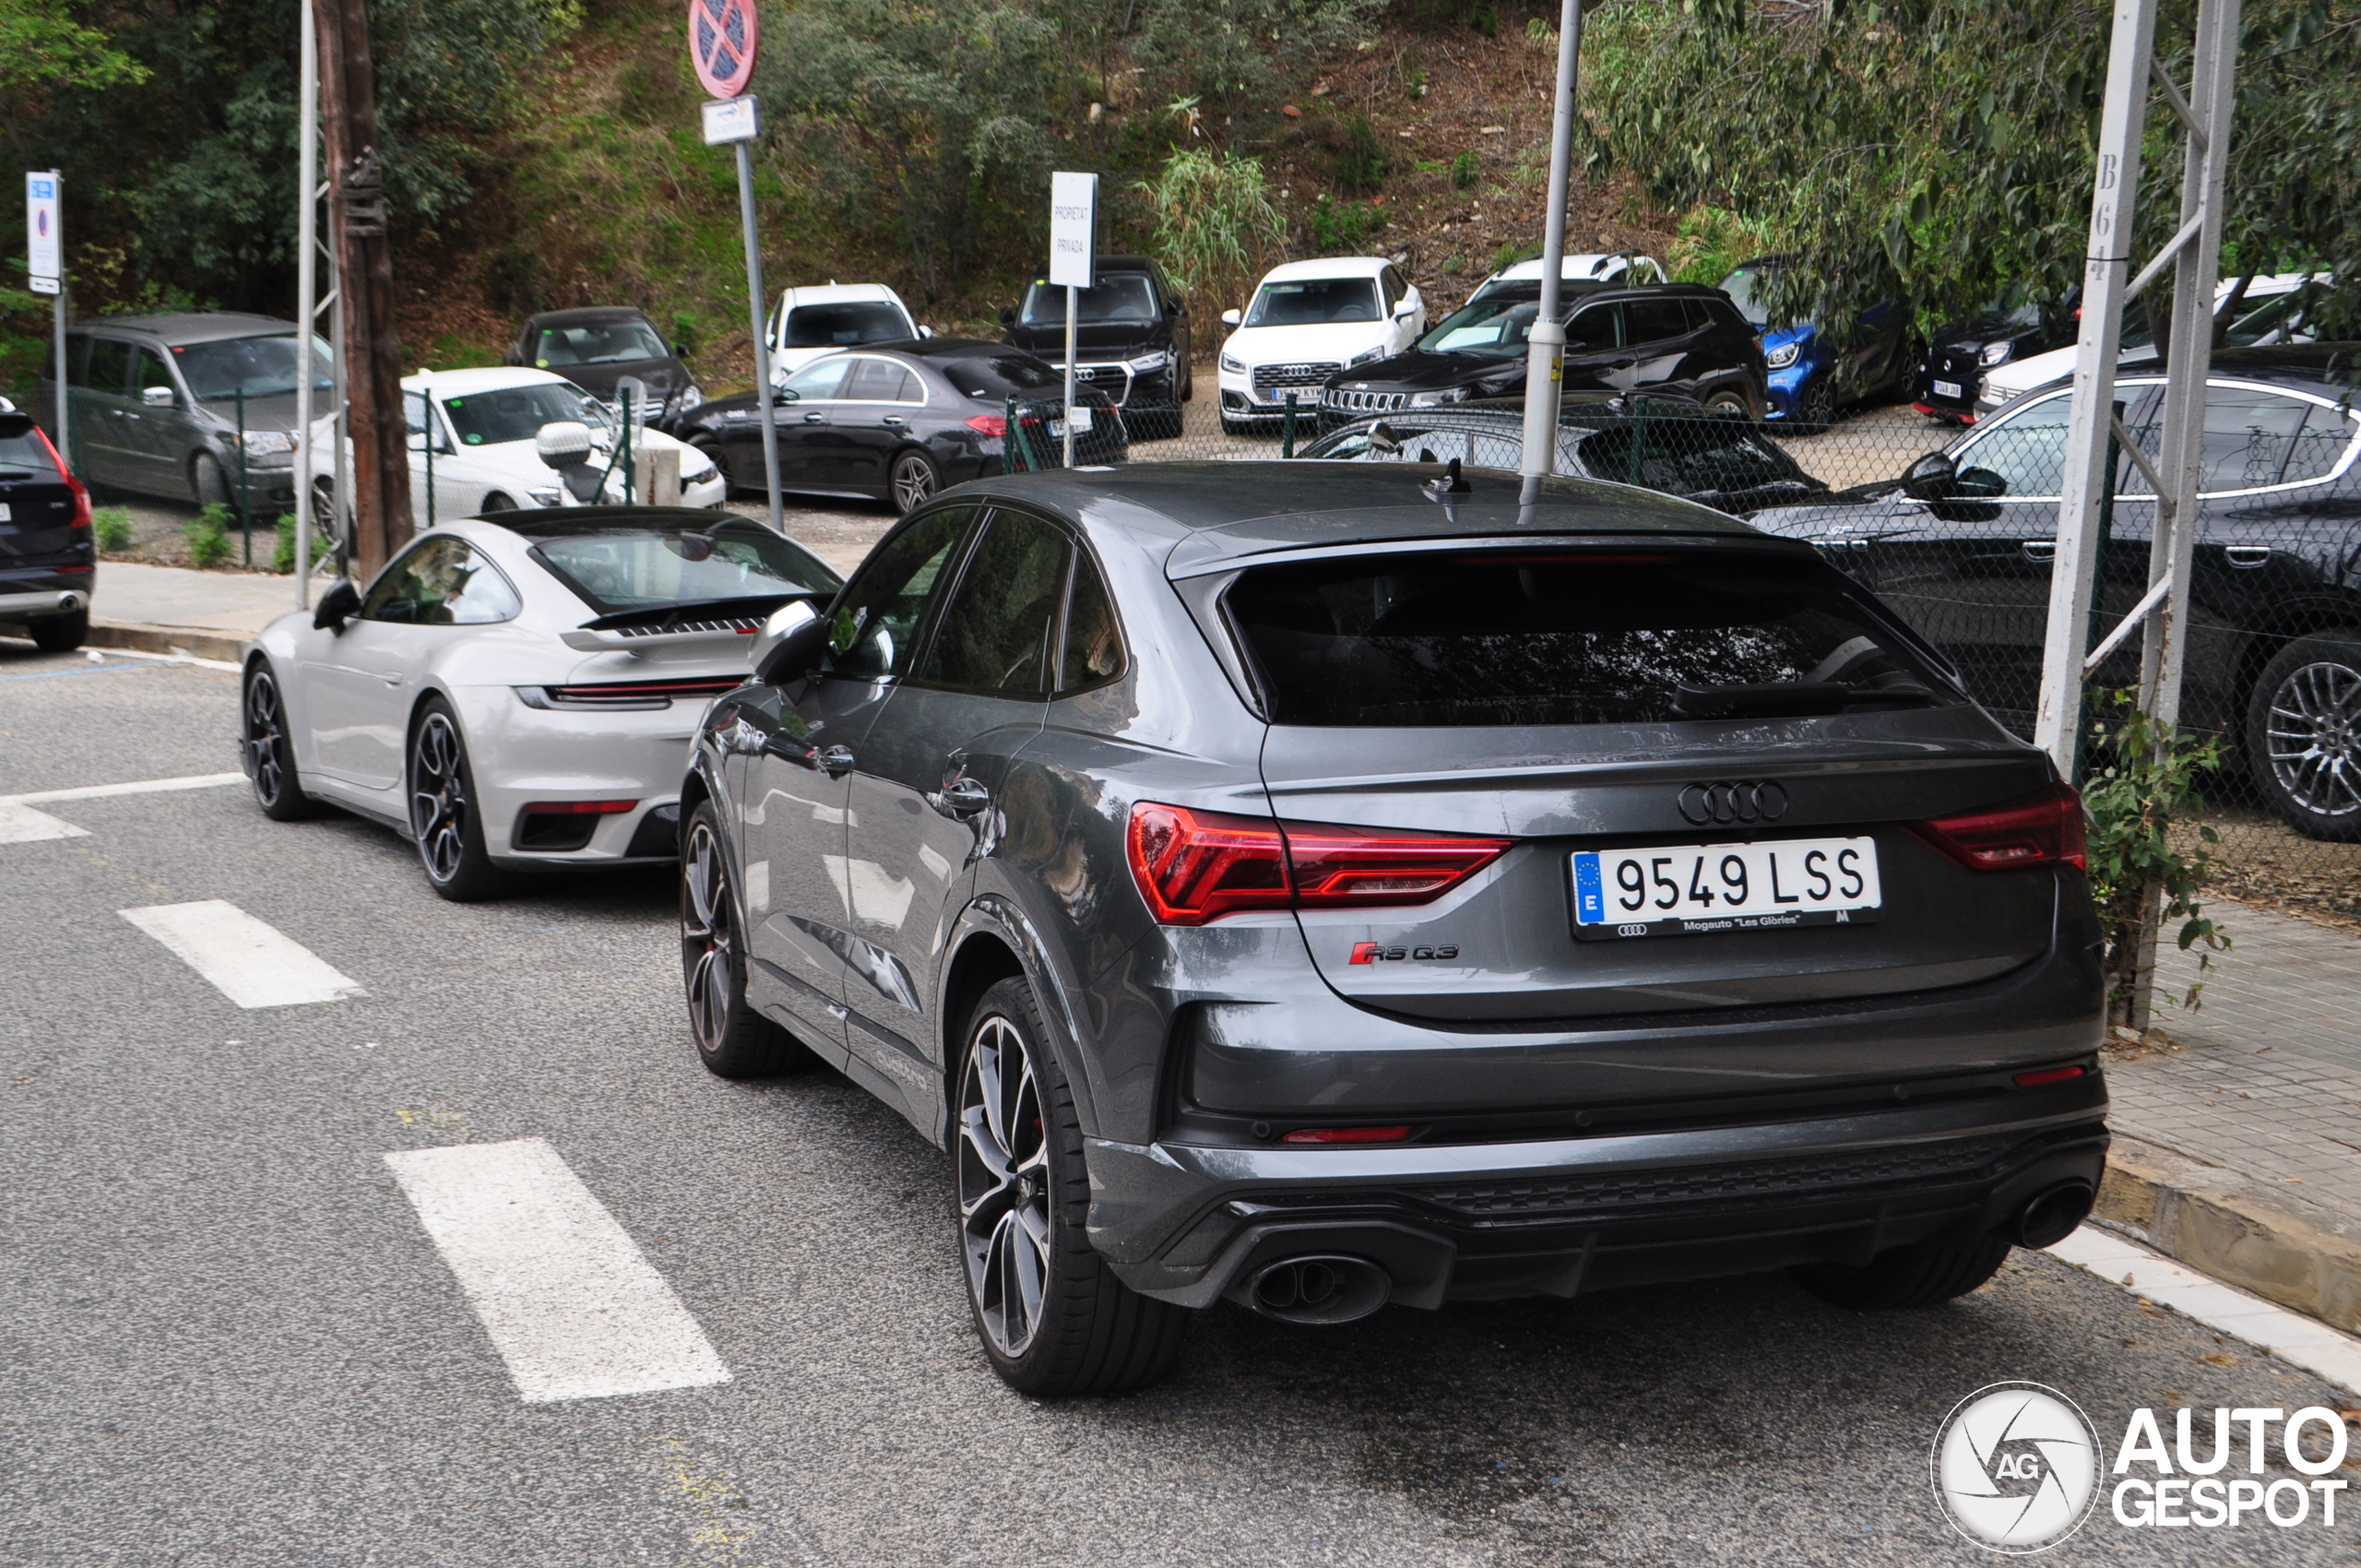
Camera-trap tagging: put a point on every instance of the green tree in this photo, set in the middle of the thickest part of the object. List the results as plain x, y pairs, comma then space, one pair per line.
1213, 221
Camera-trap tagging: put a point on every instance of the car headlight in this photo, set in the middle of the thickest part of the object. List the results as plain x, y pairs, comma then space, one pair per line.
687, 397
267, 442
552, 496
1377, 353
1995, 353
1448, 395
1155, 362
1783, 356
702, 475
1233, 364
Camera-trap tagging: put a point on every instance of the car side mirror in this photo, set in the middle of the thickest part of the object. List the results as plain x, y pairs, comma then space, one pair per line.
339, 604
1978, 484
512, 357
790, 642
562, 444
680, 351
157, 397
1929, 478
926, 331
1231, 317
1405, 306
1382, 439
1007, 316
785, 395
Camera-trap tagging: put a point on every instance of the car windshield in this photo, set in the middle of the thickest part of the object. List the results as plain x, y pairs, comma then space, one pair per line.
1315, 302
1741, 286
627, 340
615, 570
1567, 636
259, 367
1495, 326
518, 413
1117, 297
849, 321
26, 457
996, 377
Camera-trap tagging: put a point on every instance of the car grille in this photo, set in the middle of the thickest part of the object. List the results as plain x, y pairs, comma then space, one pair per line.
1749, 1179
1271, 378
1363, 402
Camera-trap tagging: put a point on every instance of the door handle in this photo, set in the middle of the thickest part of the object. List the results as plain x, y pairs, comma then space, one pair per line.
961, 799
815, 419
896, 420
2040, 552
2246, 557
836, 761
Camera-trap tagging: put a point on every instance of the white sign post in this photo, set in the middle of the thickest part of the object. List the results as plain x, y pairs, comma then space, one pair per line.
737, 121
45, 269
1074, 229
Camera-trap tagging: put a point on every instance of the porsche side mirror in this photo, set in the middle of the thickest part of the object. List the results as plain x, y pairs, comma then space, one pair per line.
1929, 478
790, 642
339, 604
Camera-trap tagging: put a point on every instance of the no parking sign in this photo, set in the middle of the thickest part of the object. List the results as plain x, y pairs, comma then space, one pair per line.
722, 44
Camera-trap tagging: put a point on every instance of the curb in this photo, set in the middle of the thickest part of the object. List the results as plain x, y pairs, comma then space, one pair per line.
224, 645
2236, 1230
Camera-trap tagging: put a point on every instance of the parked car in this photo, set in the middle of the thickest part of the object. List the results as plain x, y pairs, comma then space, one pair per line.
1621, 269
596, 348
820, 318
1963, 547
1716, 458
2275, 309
1678, 338
1950, 378
517, 694
48, 558
1327, 886
1810, 376
1132, 339
154, 405
1306, 321
897, 421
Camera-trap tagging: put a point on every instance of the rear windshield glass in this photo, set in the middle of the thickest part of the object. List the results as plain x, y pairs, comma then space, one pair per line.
616, 570
833, 327
25, 457
1567, 637
1001, 376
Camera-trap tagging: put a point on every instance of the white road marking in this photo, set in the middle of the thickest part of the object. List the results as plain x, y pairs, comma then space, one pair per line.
573, 1306
19, 823
2305, 1341
248, 961
136, 787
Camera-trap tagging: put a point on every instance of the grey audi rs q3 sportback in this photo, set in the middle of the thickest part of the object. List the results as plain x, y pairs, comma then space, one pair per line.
1325, 886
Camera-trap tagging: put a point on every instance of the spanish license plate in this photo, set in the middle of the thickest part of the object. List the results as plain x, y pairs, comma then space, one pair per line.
1081, 425
1696, 889
1948, 389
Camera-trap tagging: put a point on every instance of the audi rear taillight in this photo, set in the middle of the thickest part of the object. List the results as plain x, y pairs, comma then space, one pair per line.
2040, 830
992, 425
1194, 866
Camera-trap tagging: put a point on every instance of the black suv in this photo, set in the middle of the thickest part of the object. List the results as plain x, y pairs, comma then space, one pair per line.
1682, 339
1130, 339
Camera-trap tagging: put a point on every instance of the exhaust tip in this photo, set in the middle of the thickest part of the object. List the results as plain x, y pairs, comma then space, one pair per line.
1319, 1290
2053, 1214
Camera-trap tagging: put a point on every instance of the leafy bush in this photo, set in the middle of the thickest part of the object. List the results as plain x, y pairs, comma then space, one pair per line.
283, 554
1511, 254
1361, 164
1415, 83
208, 536
1214, 221
2142, 777
1463, 170
1709, 242
1343, 226
112, 526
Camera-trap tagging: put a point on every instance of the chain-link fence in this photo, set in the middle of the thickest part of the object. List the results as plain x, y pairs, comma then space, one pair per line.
1955, 528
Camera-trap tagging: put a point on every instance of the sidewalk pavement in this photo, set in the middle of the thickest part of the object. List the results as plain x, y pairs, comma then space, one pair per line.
2238, 1148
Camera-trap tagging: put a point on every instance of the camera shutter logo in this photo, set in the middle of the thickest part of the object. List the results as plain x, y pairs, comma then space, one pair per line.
2016, 1468
1724, 803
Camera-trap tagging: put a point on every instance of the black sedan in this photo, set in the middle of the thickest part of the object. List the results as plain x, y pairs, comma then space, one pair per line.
1678, 338
897, 421
597, 347
1708, 456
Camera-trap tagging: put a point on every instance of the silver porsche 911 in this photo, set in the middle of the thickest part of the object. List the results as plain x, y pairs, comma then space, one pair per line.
517, 694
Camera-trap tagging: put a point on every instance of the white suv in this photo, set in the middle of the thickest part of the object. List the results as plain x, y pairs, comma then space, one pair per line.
1624, 269
1308, 320
821, 318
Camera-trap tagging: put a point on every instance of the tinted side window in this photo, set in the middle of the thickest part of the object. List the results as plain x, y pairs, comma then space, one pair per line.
819, 379
1599, 326
441, 582
876, 620
1652, 321
1094, 639
152, 372
995, 634
2326, 434
874, 381
109, 365
2248, 437
1700, 314
78, 356
2028, 451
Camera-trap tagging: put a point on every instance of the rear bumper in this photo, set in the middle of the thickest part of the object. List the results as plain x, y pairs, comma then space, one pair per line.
1484, 1221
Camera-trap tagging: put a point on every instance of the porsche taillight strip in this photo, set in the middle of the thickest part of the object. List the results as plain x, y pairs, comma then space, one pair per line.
628, 694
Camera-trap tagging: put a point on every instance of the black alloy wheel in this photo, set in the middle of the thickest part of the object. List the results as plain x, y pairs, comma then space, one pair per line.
734, 1040
915, 479
1816, 409
327, 522
269, 752
2304, 735
443, 821
1054, 1318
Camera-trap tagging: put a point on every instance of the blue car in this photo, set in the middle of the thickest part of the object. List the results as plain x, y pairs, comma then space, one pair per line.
1809, 378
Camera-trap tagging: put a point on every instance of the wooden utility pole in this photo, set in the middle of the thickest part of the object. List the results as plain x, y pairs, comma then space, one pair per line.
364, 264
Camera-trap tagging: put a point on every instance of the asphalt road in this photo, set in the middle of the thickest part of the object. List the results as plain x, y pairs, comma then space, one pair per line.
226, 1338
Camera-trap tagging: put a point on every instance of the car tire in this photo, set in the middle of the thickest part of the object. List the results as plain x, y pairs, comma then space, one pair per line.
498, 501
327, 524
1903, 1278
444, 822
1053, 1319
734, 1040
60, 633
2303, 735
1730, 400
268, 750
913, 481
208, 481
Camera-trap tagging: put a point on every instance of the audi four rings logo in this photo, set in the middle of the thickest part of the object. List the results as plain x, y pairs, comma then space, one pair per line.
1726, 802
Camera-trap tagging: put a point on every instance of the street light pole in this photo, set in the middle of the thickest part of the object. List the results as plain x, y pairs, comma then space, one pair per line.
1546, 348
